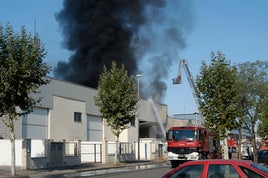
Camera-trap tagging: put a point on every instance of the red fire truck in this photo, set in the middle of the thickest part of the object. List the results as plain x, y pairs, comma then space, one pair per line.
189, 143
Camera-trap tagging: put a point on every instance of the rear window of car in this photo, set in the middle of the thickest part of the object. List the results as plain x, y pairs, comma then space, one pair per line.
191, 171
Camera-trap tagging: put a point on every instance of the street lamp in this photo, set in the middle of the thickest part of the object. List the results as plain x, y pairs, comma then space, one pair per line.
138, 78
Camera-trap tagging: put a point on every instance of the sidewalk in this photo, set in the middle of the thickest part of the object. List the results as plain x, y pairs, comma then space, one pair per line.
5, 170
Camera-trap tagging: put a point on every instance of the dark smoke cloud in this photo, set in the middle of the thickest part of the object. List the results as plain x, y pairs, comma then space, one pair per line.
141, 34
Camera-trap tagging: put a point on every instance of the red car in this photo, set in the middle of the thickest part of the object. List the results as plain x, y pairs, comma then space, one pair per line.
219, 168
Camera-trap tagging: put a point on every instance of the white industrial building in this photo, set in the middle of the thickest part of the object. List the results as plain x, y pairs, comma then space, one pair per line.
67, 112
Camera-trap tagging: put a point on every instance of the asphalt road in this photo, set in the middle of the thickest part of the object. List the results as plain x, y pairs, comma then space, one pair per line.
148, 171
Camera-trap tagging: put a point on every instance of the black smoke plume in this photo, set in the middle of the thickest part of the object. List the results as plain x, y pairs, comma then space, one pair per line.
137, 33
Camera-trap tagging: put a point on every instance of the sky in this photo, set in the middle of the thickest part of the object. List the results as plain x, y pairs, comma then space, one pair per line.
237, 28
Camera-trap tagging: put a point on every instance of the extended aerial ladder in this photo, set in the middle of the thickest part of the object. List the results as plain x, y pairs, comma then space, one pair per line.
184, 65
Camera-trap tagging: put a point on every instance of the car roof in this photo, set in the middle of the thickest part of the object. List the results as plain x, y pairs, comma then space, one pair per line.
235, 162
218, 161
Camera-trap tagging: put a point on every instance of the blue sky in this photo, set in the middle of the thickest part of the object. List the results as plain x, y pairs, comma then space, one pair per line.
238, 28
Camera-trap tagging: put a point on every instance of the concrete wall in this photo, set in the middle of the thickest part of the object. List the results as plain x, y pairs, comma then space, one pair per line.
62, 124
128, 135
5, 152
4, 131
61, 99
35, 154
69, 90
173, 122
31, 154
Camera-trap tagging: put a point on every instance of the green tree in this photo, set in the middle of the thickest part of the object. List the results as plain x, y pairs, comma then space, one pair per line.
117, 99
253, 87
218, 94
262, 129
22, 72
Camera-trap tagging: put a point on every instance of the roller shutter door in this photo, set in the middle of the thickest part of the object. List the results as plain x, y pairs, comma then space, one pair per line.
94, 128
34, 125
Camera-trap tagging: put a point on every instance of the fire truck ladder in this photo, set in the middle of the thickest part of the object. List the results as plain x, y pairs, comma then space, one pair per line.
184, 65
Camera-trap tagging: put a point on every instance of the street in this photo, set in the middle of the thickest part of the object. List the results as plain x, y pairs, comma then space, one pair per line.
148, 173
134, 171
154, 173
151, 170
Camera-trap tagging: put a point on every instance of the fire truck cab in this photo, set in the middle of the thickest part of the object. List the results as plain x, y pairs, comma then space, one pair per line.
188, 143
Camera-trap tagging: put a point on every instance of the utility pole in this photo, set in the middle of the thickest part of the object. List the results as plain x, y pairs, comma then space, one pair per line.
138, 93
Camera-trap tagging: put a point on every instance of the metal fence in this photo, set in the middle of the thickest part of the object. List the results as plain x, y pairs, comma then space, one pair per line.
43, 152
126, 148
91, 152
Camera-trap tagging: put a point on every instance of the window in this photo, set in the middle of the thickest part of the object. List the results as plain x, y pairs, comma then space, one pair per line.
191, 171
77, 116
182, 135
260, 167
250, 173
221, 171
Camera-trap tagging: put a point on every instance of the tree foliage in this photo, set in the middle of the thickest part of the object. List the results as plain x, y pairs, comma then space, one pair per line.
253, 87
218, 94
262, 126
117, 98
22, 72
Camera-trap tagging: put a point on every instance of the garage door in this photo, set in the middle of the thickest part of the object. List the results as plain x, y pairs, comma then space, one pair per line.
94, 128
34, 125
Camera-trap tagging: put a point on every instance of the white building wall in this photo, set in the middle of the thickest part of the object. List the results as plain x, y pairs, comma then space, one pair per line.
4, 131
132, 133
147, 113
70, 90
108, 134
62, 124
5, 152
173, 122
128, 135
61, 99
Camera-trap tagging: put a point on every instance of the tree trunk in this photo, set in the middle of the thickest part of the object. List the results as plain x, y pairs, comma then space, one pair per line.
117, 150
239, 143
225, 147
254, 144
13, 155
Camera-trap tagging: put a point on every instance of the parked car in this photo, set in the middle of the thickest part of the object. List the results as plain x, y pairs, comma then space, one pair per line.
219, 168
263, 156
246, 150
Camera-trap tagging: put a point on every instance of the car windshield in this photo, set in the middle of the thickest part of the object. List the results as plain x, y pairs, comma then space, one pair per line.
260, 167
265, 152
183, 135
